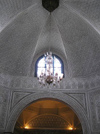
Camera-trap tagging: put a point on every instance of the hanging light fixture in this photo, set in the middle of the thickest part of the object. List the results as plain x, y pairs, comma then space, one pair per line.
49, 76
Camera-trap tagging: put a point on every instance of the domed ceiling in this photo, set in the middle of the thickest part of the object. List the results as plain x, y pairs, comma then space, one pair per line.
71, 31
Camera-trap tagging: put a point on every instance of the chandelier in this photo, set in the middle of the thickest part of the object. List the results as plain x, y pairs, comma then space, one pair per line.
49, 76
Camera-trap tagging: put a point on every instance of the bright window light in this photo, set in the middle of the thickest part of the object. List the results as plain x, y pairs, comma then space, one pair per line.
57, 66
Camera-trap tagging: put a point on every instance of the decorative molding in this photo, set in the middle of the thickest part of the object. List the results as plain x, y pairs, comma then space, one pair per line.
94, 98
18, 82
80, 98
17, 97
3, 107
98, 112
46, 94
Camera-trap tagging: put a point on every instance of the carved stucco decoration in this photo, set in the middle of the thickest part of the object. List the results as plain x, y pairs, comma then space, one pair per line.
26, 82
94, 98
17, 97
80, 98
3, 106
16, 111
98, 111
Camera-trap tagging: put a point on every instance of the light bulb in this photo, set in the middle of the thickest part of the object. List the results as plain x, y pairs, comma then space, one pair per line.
26, 127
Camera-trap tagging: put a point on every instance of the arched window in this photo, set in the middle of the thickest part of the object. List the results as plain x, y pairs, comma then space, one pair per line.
40, 66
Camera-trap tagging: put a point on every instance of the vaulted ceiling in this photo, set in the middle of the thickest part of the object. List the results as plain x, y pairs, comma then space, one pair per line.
48, 114
72, 31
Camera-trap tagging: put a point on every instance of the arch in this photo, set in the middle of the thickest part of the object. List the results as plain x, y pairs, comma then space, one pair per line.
49, 116
53, 55
78, 109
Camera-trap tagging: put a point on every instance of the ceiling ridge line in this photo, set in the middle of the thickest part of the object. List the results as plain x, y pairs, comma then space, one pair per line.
14, 18
74, 11
55, 21
39, 36
52, 25
70, 72
81, 16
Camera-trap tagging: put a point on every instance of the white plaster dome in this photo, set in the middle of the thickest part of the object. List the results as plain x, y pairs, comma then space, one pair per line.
71, 31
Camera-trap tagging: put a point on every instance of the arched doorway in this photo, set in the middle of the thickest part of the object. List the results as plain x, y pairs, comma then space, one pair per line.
33, 97
48, 116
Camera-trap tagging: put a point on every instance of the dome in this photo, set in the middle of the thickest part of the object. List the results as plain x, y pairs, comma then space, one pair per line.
25, 34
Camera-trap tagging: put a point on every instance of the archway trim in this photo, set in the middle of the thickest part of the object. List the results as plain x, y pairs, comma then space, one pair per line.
78, 109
